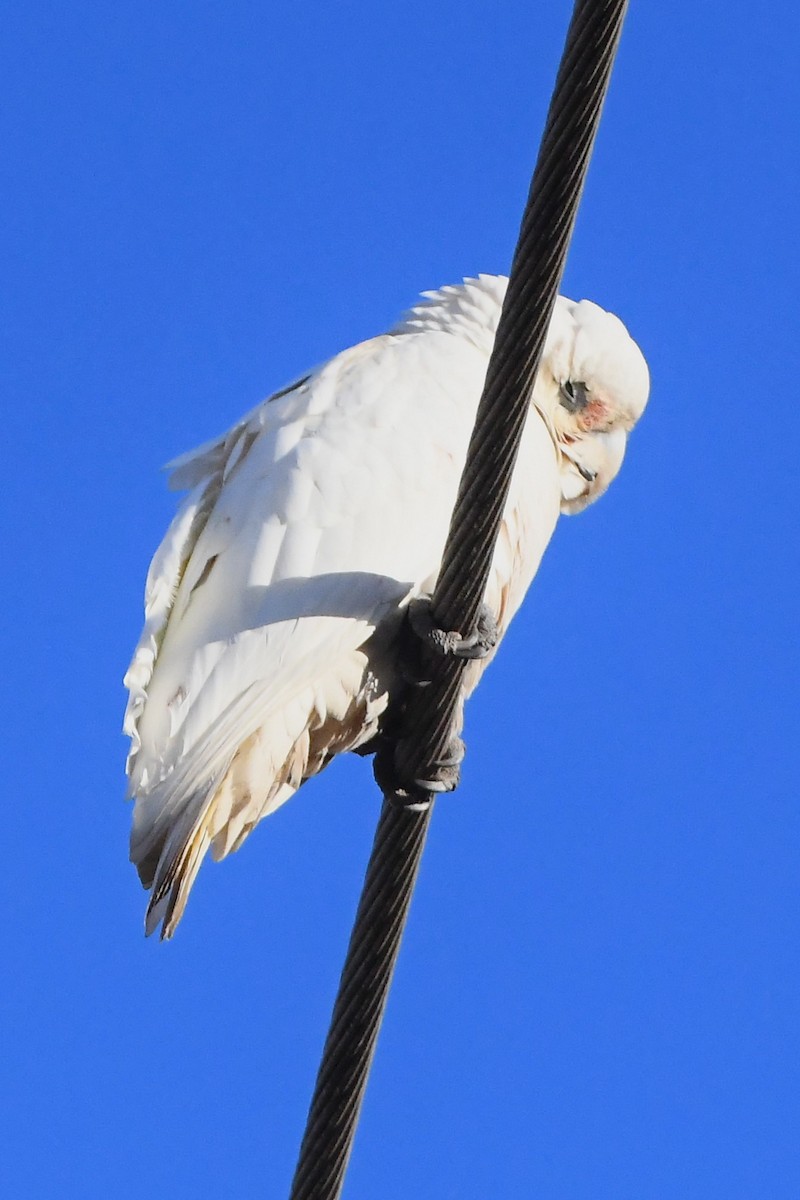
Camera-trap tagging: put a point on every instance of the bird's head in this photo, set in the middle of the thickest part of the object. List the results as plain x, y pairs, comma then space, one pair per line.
591, 390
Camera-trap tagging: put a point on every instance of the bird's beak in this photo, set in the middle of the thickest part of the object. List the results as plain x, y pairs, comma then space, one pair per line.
571, 451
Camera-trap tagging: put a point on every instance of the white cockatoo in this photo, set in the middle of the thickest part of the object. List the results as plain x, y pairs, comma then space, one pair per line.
274, 603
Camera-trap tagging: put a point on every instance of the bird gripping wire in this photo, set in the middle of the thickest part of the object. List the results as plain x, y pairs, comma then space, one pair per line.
536, 271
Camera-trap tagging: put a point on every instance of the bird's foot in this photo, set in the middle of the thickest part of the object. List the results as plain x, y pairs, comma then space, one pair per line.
444, 774
449, 643
421, 641
440, 776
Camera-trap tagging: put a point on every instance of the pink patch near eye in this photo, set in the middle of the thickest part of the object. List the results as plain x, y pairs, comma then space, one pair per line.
594, 414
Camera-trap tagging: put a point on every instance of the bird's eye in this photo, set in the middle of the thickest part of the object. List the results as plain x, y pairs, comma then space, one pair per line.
573, 395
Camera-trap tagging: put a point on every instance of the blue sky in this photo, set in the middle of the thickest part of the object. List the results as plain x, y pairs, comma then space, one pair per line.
598, 995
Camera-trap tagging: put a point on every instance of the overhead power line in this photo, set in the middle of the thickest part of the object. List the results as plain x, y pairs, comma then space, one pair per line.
538, 265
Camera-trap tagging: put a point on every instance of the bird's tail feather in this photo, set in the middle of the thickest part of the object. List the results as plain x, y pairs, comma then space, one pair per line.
172, 833
177, 869
212, 803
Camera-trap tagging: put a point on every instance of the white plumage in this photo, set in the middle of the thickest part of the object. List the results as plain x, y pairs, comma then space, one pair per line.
272, 604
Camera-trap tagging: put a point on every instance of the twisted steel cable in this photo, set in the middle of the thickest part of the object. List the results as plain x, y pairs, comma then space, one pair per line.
536, 271
367, 975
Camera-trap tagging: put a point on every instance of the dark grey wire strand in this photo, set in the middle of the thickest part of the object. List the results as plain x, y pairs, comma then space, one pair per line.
535, 276
371, 955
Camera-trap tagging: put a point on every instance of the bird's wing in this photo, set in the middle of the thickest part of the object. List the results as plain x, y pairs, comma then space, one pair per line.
203, 471
310, 522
